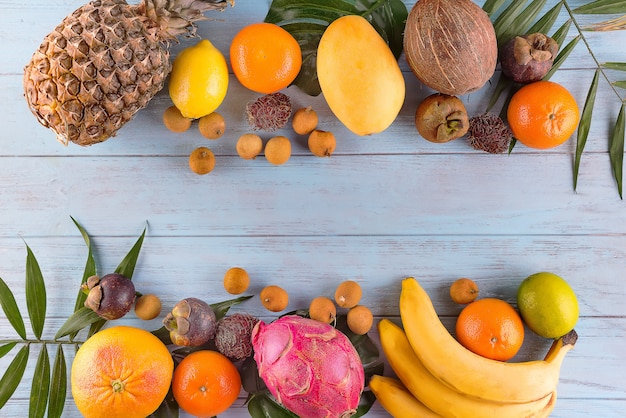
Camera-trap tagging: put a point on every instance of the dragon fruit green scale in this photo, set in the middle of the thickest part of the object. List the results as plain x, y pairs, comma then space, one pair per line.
309, 367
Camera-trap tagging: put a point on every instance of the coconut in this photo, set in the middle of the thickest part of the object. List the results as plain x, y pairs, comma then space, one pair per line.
450, 45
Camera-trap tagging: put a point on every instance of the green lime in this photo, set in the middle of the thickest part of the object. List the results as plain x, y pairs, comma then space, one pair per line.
548, 305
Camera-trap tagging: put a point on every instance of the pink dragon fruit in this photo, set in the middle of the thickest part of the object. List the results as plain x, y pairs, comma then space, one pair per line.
309, 367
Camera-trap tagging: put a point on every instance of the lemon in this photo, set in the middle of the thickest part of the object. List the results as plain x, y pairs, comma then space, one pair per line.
547, 304
199, 80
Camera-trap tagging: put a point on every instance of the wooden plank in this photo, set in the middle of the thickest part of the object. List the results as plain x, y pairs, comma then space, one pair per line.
384, 207
344, 195
566, 408
41, 18
307, 266
146, 135
586, 380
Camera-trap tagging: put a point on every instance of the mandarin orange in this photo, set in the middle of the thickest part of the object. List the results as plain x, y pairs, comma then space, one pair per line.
121, 372
543, 114
206, 383
265, 58
491, 328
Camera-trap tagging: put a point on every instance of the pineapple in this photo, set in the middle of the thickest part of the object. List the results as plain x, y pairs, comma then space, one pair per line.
104, 62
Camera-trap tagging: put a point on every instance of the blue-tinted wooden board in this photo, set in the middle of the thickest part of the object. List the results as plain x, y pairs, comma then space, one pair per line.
382, 208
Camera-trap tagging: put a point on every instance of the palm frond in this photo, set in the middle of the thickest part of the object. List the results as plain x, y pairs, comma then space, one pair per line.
510, 16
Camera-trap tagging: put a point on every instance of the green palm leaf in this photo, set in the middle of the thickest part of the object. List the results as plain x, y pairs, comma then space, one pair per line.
616, 149
11, 310
602, 7
522, 21
90, 265
96, 326
221, 308
621, 84
620, 66
13, 375
80, 319
40, 385
90, 270
545, 23
127, 266
562, 56
492, 6
561, 33
585, 123
58, 385
35, 294
6, 348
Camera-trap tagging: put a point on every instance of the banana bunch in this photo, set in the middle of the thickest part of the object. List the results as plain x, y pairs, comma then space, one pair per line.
447, 380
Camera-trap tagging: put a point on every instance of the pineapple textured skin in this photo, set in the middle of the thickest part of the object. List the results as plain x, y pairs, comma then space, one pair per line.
103, 63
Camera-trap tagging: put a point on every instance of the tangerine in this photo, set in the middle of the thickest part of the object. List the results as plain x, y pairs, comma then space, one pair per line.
543, 114
121, 372
206, 383
265, 58
491, 328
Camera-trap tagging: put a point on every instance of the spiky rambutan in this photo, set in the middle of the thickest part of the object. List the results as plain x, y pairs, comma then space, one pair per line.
269, 113
233, 335
488, 132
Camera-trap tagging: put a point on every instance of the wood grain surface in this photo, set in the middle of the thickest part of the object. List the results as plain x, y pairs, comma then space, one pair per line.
380, 209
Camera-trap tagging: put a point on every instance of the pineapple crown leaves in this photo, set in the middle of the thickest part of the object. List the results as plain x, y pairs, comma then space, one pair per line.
178, 17
49, 382
511, 17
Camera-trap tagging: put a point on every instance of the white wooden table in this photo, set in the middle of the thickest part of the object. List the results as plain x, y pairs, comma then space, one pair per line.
382, 208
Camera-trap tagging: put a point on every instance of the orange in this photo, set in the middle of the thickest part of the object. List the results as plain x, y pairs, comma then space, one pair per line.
121, 372
265, 57
491, 328
543, 114
206, 383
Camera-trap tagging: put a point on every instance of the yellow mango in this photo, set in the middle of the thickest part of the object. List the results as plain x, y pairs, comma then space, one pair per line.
359, 76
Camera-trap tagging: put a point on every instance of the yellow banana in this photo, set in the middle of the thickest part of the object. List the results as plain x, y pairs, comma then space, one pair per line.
397, 400
437, 396
547, 410
470, 373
